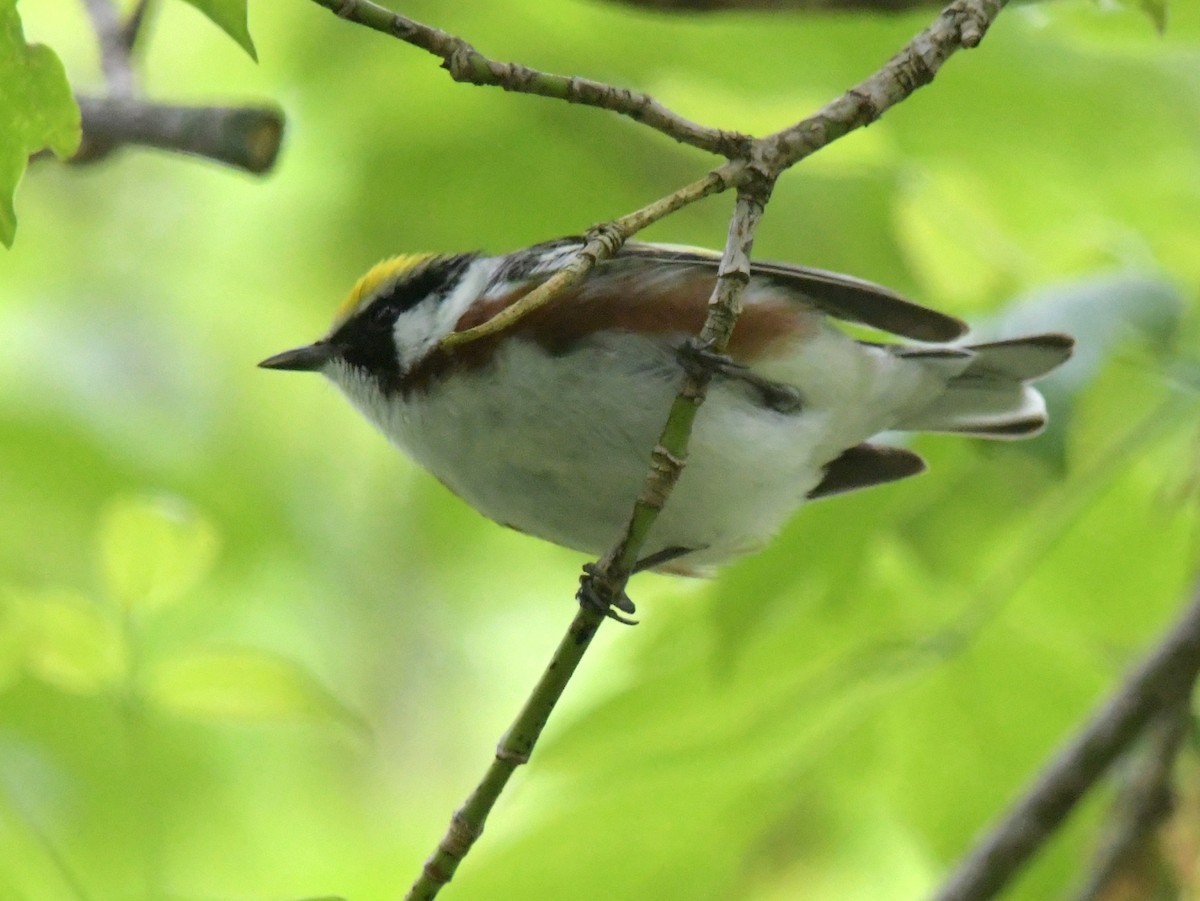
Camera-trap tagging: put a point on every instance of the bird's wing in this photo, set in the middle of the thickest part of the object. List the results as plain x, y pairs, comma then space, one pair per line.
841, 296
664, 298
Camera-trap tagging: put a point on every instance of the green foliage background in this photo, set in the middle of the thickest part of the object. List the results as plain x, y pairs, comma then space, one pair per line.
248, 652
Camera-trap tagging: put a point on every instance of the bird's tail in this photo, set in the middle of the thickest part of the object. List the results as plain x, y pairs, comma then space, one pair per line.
989, 397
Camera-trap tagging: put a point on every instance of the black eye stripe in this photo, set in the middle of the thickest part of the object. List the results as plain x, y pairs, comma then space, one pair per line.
410, 291
382, 315
365, 339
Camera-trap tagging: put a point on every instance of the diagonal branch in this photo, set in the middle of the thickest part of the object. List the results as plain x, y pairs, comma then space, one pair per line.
513, 750
611, 573
1161, 682
1145, 800
959, 26
753, 173
517, 744
603, 241
466, 64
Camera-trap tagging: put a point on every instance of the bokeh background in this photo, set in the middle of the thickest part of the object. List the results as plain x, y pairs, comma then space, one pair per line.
249, 652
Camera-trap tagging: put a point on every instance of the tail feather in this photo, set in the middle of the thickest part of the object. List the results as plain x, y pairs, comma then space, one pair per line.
989, 396
1020, 358
1004, 410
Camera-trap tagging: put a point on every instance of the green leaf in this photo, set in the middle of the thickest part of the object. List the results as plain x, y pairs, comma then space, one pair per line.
36, 110
230, 17
244, 685
153, 551
69, 642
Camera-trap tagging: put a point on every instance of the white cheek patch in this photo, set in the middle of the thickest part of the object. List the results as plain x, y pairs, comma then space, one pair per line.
418, 330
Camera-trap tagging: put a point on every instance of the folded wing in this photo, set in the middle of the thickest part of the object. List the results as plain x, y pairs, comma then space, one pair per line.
841, 296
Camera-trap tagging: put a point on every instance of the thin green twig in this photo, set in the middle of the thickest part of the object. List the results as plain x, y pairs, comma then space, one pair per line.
603, 241
753, 169
513, 750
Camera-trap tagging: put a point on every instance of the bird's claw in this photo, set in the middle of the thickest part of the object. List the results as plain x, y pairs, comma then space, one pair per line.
658, 558
590, 595
698, 358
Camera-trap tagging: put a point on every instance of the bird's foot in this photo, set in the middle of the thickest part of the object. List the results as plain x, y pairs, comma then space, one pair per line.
591, 595
658, 558
698, 358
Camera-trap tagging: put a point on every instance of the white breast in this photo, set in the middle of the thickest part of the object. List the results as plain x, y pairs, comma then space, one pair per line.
558, 447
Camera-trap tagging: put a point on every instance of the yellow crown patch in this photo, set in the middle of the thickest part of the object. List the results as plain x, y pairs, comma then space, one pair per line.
381, 272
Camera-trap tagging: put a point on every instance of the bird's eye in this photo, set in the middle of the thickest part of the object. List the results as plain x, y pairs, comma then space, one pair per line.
382, 317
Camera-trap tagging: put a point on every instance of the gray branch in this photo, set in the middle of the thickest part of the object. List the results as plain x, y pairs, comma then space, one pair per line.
115, 42
466, 64
1160, 683
1145, 801
246, 138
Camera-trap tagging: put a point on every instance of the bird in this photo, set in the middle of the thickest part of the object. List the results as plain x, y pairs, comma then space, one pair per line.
547, 426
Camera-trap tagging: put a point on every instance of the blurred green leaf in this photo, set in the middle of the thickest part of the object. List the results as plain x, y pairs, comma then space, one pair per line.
243, 685
70, 641
230, 17
153, 551
828, 719
13, 638
36, 110
953, 237
29, 868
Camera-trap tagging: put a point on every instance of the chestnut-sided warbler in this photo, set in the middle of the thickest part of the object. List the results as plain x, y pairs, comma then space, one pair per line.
547, 427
